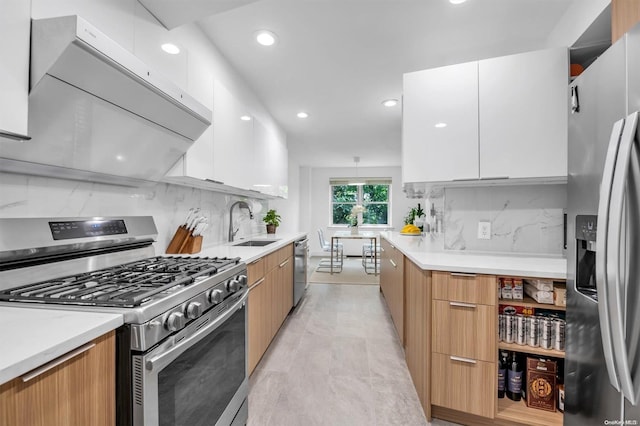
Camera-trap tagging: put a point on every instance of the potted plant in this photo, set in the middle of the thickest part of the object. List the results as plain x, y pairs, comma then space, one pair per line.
415, 215
354, 217
272, 219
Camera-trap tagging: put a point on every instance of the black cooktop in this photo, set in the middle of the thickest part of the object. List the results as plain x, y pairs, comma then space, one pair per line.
127, 285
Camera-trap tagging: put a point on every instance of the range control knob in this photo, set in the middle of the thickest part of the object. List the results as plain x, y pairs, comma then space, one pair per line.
216, 296
233, 285
194, 310
243, 280
175, 321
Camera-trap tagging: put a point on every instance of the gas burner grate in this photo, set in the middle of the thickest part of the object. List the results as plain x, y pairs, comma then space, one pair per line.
126, 285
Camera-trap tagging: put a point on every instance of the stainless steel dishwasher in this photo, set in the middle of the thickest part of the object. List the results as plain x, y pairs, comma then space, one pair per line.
301, 249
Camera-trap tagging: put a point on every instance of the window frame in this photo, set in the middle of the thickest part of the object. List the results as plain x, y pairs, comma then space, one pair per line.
360, 200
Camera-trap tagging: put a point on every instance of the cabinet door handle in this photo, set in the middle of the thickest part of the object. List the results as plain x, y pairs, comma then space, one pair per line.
56, 362
284, 263
460, 274
494, 177
463, 305
255, 261
459, 358
257, 283
393, 263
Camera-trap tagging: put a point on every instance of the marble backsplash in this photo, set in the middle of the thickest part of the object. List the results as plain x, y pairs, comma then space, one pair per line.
526, 219
32, 196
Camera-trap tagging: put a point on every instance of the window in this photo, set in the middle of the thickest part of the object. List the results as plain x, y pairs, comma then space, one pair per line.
374, 196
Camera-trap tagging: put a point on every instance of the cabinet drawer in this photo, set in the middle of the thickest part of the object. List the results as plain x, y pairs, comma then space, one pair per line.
463, 384
390, 252
464, 329
255, 271
273, 260
462, 287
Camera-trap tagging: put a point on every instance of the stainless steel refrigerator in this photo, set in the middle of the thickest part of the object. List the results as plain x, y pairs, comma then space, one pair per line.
602, 366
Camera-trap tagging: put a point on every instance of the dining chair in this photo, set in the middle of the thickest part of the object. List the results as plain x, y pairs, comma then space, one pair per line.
368, 257
337, 252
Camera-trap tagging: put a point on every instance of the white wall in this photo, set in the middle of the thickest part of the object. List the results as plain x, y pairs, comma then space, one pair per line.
318, 214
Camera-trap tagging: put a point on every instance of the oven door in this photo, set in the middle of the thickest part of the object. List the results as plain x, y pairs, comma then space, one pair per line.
198, 376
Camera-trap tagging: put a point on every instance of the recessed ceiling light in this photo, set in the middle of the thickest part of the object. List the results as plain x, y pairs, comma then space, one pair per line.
120, 157
457, 1
302, 114
390, 102
245, 118
440, 125
170, 48
266, 38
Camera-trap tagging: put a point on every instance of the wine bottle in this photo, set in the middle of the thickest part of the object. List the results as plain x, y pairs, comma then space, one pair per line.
502, 372
514, 378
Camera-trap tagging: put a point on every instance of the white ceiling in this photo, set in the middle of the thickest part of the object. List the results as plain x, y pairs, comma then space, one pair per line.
339, 59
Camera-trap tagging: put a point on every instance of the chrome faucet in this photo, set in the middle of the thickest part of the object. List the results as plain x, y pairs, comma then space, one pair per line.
233, 233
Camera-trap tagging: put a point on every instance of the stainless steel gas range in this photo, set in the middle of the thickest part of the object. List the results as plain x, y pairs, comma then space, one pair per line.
181, 354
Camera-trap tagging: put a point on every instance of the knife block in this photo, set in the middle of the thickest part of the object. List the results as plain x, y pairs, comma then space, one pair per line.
192, 245
179, 239
184, 243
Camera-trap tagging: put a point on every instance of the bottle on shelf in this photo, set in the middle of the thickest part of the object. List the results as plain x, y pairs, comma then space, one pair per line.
514, 378
503, 362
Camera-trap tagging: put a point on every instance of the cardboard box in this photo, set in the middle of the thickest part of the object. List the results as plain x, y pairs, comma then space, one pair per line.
539, 295
542, 285
560, 295
507, 286
541, 384
517, 290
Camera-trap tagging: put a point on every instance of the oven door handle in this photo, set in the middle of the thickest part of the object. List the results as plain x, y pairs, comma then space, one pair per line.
167, 356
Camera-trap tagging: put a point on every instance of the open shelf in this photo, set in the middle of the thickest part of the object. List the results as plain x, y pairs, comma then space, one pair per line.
517, 411
530, 350
530, 303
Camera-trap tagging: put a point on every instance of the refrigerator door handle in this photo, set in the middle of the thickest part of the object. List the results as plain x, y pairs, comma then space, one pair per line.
602, 253
618, 285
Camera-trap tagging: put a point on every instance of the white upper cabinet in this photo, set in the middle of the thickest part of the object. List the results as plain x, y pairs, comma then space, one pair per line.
523, 115
270, 162
505, 117
15, 29
198, 161
232, 140
440, 124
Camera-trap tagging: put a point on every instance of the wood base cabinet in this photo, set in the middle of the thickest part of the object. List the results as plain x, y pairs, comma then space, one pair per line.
78, 389
270, 300
464, 346
463, 384
417, 342
392, 283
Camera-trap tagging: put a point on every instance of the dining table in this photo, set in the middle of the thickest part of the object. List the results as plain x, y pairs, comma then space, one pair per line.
360, 235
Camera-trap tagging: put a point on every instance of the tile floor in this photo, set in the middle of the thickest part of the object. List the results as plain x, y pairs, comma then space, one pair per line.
336, 360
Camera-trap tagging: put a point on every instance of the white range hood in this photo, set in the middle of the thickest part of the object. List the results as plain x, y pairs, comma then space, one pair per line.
96, 112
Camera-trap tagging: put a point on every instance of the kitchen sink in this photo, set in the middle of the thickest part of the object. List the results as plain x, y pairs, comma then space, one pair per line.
255, 243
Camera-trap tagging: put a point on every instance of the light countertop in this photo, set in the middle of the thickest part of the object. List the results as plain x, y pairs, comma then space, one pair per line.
430, 256
32, 337
249, 254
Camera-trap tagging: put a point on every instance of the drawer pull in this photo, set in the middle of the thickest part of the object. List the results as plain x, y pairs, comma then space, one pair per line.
460, 274
257, 283
393, 263
255, 261
284, 263
463, 305
459, 358
56, 362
